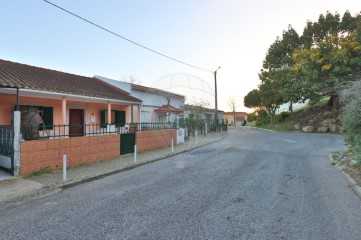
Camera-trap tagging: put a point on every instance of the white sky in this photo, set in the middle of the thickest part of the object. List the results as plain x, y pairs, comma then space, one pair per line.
228, 33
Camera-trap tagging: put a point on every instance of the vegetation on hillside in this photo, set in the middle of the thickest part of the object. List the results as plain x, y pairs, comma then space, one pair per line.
351, 117
323, 61
309, 66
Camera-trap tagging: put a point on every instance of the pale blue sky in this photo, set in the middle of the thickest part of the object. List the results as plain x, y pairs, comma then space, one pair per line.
228, 33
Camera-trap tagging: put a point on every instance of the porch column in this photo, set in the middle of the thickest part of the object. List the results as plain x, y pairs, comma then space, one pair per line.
109, 113
63, 107
131, 120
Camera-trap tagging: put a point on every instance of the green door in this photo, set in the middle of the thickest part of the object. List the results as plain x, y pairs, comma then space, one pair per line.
127, 142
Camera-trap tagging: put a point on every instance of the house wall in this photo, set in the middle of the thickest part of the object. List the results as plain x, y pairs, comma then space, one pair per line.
239, 118
6, 106
149, 140
151, 101
285, 107
40, 155
9, 101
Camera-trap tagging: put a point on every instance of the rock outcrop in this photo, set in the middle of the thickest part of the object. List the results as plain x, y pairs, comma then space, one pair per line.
308, 129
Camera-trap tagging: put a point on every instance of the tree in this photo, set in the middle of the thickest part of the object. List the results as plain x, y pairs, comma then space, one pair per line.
194, 119
233, 105
253, 100
330, 51
270, 97
277, 67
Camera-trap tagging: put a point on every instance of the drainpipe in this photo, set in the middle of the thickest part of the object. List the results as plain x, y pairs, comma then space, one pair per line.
17, 99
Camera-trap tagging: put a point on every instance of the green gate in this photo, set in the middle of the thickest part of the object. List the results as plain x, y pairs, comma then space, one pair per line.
127, 142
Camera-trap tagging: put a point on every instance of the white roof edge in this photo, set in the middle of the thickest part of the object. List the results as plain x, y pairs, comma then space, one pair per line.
118, 84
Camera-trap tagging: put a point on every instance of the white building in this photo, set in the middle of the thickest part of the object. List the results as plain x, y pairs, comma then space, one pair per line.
157, 105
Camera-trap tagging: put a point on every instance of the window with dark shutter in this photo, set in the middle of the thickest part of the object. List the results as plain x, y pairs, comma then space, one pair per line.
102, 119
47, 117
46, 113
120, 118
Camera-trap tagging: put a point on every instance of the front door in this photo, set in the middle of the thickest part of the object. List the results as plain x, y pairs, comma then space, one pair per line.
76, 122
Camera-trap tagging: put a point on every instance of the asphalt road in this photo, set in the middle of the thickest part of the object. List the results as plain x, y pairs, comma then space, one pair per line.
254, 184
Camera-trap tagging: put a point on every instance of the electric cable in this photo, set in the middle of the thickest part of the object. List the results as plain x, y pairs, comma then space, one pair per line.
124, 38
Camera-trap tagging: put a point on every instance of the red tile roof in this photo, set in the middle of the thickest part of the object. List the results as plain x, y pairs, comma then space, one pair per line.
154, 90
40, 79
168, 108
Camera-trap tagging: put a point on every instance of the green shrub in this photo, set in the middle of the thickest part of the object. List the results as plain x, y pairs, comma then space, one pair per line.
263, 119
350, 98
282, 117
251, 117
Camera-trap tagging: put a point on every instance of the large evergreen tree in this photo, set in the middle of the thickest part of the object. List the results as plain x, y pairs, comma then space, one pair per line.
331, 50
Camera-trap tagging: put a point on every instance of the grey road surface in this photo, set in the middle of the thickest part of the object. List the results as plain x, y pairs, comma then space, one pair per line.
254, 184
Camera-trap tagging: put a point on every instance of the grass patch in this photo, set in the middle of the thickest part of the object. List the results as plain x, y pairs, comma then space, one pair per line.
349, 164
321, 103
252, 124
309, 115
278, 127
37, 173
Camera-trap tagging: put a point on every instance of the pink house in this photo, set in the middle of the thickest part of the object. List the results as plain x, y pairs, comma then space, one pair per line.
61, 98
58, 104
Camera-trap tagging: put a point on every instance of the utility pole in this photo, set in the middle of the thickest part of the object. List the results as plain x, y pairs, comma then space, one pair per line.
216, 101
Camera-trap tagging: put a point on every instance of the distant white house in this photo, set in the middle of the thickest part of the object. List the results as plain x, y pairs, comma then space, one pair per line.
207, 115
157, 105
286, 107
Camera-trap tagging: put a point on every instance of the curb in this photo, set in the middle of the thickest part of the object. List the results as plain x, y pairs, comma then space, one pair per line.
350, 182
48, 191
100, 176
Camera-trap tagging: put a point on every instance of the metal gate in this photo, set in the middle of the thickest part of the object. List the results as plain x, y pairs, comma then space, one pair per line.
127, 142
7, 149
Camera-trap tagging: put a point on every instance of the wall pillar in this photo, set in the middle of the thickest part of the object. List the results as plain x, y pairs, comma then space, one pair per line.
16, 156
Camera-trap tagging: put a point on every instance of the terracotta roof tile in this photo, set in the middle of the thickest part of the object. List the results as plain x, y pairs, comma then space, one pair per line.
41, 79
168, 108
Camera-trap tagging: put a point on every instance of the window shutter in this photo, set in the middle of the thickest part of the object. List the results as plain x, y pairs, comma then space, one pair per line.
47, 117
120, 118
102, 119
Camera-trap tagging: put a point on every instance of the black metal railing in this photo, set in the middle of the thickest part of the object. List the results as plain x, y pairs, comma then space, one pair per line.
77, 130
62, 130
150, 126
6, 140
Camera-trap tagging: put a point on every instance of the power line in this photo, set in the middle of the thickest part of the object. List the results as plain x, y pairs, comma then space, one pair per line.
124, 38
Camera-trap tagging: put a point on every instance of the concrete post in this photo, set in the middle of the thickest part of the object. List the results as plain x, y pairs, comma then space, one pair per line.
64, 168
17, 121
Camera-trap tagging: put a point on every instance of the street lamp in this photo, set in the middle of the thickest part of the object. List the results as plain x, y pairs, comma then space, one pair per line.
216, 101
